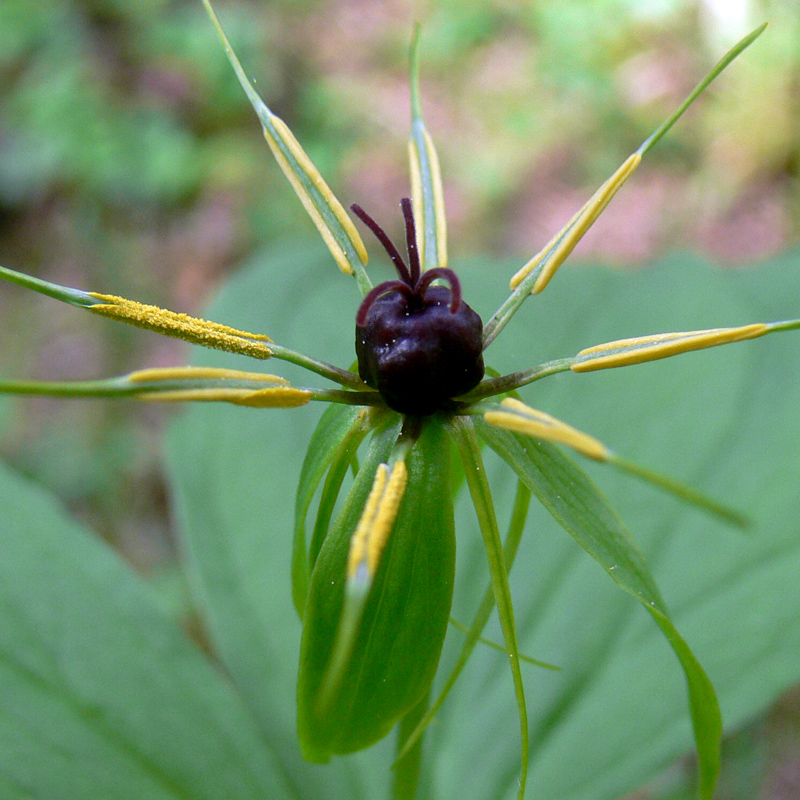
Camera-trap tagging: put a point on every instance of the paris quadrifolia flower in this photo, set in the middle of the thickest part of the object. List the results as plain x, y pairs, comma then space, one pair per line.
373, 583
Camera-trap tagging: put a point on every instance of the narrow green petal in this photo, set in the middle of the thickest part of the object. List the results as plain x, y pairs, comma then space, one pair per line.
328, 497
534, 662
406, 769
426, 180
462, 432
536, 274
327, 213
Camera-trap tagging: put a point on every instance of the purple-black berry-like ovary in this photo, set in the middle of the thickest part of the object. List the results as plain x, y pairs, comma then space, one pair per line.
419, 345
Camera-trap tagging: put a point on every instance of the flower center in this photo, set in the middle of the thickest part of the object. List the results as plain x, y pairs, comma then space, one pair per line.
418, 344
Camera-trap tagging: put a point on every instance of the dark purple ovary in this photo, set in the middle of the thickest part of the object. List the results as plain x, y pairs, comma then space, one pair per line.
418, 345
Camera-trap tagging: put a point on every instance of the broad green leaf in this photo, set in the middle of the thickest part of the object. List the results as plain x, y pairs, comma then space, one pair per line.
510, 546
721, 420
396, 652
101, 696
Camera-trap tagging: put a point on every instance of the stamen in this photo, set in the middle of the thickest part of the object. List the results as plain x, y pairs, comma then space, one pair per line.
377, 519
380, 234
516, 416
182, 326
639, 349
271, 397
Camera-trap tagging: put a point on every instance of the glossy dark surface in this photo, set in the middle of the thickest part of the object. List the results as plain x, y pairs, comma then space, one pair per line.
417, 352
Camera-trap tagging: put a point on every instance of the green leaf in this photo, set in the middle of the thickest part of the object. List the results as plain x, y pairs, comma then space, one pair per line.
722, 420
577, 505
100, 694
396, 652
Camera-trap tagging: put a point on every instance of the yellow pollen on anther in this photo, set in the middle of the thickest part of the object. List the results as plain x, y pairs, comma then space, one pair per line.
640, 349
190, 329
358, 542
380, 511
520, 418
421, 211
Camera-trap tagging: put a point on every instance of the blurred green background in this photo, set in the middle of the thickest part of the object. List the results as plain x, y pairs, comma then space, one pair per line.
130, 163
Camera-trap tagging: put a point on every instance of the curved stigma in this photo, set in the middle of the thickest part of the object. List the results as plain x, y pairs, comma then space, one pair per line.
413, 284
380, 234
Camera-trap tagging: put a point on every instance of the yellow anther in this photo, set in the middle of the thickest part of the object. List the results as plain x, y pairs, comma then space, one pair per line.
531, 422
182, 326
421, 210
637, 350
288, 139
377, 519
274, 397
575, 229
202, 373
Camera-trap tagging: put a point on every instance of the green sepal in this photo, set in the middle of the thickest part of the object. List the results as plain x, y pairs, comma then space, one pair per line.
396, 650
337, 428
519, 515
345, 460
579, 507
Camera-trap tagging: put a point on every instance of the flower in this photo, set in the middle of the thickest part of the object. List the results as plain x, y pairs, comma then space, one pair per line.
374, 587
